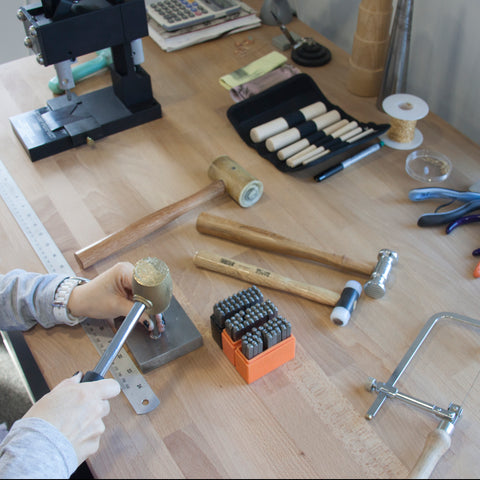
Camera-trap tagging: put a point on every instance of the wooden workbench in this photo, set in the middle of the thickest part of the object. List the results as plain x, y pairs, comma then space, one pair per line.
307, 418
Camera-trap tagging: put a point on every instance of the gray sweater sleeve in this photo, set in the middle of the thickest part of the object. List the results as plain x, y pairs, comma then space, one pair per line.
35, 449
26, 299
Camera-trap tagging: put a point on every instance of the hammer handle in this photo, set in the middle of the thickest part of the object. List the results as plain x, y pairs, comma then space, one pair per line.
146, 225
256, 237
261, 276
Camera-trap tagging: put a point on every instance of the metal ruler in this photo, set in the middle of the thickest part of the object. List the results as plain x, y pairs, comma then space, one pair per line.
134, 386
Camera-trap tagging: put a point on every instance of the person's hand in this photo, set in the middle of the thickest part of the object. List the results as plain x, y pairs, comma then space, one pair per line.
76, 409
108, 296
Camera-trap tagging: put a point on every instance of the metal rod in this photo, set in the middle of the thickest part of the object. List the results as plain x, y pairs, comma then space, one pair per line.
396, 64
392, 392
119, 339
284, 29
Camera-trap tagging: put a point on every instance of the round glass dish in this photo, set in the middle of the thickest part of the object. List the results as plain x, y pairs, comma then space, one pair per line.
428, 166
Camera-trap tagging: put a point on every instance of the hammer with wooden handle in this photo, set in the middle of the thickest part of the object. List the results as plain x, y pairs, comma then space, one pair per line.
227, 175
344, 304
261, 276
256, 237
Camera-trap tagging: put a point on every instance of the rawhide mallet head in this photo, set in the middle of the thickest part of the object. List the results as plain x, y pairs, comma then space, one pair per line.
346, 304
239, 184
377, 284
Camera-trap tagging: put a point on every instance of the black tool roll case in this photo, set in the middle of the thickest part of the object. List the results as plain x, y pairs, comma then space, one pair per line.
282, 99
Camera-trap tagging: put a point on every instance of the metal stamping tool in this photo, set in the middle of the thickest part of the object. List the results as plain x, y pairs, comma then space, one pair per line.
272, 332
152, 292
376, 285
254, 316
242, 300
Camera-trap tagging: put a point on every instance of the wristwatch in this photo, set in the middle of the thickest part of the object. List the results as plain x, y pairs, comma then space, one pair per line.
62, 294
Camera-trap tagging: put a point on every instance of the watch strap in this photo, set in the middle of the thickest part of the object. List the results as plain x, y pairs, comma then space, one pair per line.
60, 302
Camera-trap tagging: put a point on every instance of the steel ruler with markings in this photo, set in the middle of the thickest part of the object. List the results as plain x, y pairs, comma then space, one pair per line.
123, 369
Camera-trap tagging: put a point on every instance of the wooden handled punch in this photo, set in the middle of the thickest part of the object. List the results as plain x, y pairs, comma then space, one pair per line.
279, 124
256, 237
294, 134
263, 277
228, 177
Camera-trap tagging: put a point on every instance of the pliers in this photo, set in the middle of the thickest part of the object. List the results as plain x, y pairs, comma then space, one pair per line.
463, 221
471, 200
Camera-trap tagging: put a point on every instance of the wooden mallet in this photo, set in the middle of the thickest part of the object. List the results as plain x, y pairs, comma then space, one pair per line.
228, 177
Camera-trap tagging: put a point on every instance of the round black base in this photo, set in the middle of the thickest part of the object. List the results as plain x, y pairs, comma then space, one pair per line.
311, 54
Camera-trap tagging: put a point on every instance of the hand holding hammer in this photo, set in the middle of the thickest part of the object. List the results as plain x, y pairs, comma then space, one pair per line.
228, 177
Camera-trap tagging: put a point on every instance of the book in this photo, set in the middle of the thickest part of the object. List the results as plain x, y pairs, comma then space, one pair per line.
242, 20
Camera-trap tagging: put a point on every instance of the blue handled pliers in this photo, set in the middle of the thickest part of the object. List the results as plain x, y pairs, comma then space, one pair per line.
471, 200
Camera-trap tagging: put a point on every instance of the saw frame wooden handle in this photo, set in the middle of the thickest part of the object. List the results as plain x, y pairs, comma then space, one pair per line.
272, 242
261, 276
436, 445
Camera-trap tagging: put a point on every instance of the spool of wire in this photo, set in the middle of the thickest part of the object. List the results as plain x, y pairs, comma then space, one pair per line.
404, 111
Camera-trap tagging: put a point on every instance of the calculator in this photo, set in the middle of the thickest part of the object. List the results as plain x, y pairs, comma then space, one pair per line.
175, 14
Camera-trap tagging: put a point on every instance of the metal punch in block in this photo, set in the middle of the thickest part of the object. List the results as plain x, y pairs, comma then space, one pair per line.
235, 303
179, 338
251, 333
231, 305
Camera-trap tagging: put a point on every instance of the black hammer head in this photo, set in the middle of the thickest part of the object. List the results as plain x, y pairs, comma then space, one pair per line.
346, 304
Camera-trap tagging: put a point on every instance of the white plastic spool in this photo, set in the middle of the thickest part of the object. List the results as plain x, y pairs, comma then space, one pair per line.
407, 108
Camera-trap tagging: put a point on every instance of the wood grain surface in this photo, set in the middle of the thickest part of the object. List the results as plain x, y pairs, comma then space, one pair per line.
305, 419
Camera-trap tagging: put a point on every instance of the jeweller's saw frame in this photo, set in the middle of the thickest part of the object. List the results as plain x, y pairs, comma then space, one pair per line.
438, 441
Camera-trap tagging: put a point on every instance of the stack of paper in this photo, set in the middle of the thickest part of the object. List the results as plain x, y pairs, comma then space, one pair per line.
245, 19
